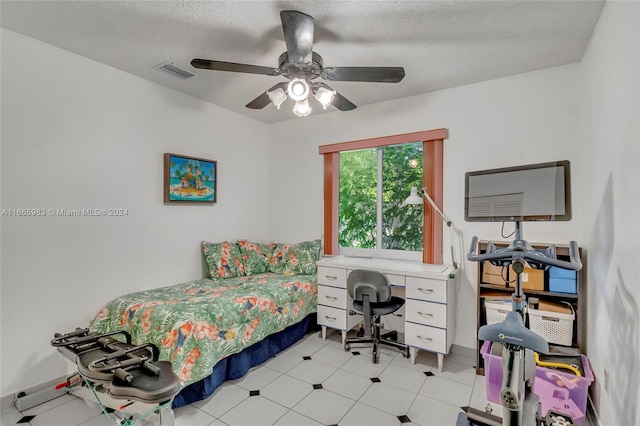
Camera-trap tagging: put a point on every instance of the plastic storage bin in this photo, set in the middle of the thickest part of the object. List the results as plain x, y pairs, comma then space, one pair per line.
563, 280
496, 309
558, 391
563, 285
555, 327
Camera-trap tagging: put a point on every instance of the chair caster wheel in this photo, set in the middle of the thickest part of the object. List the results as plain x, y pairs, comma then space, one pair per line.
347, 347
405, 354
360, 332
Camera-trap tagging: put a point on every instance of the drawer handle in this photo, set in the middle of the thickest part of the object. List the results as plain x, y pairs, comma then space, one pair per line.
330, 318
331, 298
426, 290
331, 277
425, 339
422, 314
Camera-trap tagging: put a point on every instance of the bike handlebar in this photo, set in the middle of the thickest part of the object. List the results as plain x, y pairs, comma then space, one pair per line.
520, 249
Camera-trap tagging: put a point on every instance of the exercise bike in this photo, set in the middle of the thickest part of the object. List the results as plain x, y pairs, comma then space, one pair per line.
521, 406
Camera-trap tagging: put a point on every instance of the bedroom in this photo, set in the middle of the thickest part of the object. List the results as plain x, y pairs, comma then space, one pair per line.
79, 134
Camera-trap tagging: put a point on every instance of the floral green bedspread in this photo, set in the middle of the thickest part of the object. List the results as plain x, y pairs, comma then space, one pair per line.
198, 323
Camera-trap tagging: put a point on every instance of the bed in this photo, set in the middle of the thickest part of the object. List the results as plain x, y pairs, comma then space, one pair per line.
217, 328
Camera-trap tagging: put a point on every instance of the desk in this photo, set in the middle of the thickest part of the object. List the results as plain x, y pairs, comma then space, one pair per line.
429, 291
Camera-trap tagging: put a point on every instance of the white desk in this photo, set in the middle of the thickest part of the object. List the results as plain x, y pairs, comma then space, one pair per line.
430, 307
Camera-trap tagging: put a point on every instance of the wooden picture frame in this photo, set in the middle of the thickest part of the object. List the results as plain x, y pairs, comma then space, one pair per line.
189, 179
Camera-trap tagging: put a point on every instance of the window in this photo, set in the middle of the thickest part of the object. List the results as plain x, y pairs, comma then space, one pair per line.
373, 185
365, 185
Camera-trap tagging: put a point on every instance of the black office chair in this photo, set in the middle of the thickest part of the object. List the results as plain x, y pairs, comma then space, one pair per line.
371, 293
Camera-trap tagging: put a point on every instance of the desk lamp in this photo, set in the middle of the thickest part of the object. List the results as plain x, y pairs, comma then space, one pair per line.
414, 199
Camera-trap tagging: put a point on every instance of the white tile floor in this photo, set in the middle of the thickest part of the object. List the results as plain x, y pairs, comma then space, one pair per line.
346, 395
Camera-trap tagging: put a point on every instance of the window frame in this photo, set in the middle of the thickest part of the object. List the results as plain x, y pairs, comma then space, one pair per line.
432, 163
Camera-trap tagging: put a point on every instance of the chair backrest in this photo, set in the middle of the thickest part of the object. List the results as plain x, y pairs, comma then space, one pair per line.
373, 283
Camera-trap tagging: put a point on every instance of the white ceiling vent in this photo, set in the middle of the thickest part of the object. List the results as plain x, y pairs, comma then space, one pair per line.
174, 70
500, 205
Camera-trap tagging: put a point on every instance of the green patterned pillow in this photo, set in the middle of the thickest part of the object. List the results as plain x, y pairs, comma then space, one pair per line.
255, 256
223, 259
295, 259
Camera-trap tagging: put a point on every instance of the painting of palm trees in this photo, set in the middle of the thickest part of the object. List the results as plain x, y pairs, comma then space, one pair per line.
189, 179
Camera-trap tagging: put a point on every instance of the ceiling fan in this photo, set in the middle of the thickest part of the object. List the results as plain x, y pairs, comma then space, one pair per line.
301, 65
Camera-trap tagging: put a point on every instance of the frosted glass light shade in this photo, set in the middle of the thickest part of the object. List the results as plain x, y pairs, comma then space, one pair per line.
325, 96
302, 108
298, 89
277, 97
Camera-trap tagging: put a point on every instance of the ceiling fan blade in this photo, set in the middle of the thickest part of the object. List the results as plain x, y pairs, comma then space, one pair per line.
342, 103
259, 102
263, 100
298, 34
207, 64
338, 101
370, 74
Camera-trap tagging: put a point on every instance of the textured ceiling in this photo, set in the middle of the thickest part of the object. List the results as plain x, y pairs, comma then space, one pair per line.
441, 44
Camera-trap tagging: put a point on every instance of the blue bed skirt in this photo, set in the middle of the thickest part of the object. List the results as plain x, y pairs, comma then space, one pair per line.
237, 365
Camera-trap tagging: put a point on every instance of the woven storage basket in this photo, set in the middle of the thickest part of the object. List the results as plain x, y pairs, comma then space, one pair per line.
555, 327
496, 309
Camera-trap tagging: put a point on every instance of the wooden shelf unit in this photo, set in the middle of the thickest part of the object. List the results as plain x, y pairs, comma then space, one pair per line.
578, 300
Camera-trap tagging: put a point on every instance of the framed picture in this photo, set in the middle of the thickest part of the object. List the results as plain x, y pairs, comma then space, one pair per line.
189, 179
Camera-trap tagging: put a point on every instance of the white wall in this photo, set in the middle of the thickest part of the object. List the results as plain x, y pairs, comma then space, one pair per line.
609, 199
528, 118
77, 134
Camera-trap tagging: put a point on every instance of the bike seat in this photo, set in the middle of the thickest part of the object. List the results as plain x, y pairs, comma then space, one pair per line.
513, 332
147, 387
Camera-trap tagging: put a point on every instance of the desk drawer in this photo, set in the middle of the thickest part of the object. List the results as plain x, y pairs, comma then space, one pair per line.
426, 289
425, 337
332, 317
337, 318
394, 280
335, 277
332, 296
427, 313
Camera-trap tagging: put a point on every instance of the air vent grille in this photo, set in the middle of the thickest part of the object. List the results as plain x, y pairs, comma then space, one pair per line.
175, 70
496, 205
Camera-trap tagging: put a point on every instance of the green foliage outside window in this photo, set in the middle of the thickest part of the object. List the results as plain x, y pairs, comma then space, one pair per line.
358, 198
401, 227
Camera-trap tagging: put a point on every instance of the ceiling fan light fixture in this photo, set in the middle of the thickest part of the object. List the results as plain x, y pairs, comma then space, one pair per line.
325, 96
302, 108
277, 97
301, 65
298, 89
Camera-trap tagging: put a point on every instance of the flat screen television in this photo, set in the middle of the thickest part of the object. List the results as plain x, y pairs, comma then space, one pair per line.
533, 192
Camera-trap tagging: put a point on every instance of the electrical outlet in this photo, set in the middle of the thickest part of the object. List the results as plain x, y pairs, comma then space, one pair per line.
606, 380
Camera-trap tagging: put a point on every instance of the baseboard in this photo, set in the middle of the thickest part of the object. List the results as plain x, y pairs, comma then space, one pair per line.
34, 395
591, 417
7, 401
463, 350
